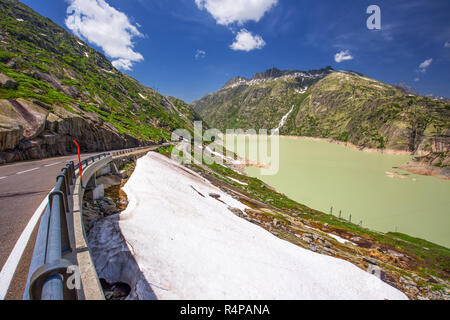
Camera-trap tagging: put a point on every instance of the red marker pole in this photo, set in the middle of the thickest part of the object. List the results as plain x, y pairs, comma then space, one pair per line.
79, 162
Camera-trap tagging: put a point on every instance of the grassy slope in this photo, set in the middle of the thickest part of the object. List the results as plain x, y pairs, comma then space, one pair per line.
88, 81
258, 107
369, 113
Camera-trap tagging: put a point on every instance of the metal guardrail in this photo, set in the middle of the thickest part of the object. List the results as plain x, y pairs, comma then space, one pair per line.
53, 249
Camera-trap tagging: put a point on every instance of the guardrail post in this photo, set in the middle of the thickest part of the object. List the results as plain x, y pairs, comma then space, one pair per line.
49, 277
58, 207
71, 169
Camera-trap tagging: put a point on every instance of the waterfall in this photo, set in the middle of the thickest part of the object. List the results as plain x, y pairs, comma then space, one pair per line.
283, 121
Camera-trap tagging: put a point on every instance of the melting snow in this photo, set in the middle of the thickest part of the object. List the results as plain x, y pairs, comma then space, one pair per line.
237, 181
188, 245
302, 91
341, 240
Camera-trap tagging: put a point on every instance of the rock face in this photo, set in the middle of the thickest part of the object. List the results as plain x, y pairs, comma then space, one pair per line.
28, 131
435, 164
7, 83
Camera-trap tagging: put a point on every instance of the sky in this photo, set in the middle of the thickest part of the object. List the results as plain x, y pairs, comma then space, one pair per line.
188, 48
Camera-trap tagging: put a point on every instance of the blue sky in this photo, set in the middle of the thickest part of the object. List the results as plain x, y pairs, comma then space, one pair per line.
187, 48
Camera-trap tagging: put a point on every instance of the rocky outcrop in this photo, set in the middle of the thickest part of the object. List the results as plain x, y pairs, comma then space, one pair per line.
436, 164
7, 83
29, 131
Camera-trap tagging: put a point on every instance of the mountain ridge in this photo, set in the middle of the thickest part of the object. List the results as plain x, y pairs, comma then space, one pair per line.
340, 105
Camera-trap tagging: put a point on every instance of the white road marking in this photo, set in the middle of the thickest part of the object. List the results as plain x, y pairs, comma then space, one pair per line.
52, 164
22, 172
1, 178
8, 270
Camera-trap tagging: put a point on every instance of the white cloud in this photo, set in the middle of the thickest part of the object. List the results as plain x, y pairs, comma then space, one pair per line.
416, 79
424, 65
342, 56
226, 12
447, 44
106, 27
200, 54
246, 41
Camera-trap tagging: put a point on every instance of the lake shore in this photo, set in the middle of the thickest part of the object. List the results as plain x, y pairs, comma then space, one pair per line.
425, 170
355, 147
414, 167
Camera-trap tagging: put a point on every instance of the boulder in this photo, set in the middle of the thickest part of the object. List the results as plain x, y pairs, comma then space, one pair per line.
71, 92
29, 116
371, 260
7, 82
52, 122
52, 80
109, 181
6, 157
123, 174
276, 223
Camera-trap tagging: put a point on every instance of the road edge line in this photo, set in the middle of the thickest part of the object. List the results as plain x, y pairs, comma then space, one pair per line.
10, 266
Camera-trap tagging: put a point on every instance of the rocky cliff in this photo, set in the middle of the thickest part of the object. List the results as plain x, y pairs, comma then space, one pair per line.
54, 88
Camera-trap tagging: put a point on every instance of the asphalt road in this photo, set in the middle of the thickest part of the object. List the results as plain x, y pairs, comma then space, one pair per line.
23, 186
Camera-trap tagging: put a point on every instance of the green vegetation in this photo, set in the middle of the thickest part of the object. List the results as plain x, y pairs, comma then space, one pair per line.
53, 67
343, 106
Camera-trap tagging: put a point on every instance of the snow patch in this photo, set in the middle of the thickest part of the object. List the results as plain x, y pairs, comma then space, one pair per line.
283, 121
341, 240
237, 181
189, 245
104, 70
301, 91
254, 82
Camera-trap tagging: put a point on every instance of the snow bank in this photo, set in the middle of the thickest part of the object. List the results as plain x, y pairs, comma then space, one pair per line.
188, 245
341, 240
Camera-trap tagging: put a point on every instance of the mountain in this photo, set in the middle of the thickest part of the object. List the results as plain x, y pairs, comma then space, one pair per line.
410, 90
341, 105
406, 89
259, 102
54, 88
440, 98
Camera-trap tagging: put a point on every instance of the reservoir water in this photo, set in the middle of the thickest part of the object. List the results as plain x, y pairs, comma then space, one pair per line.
322, 175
